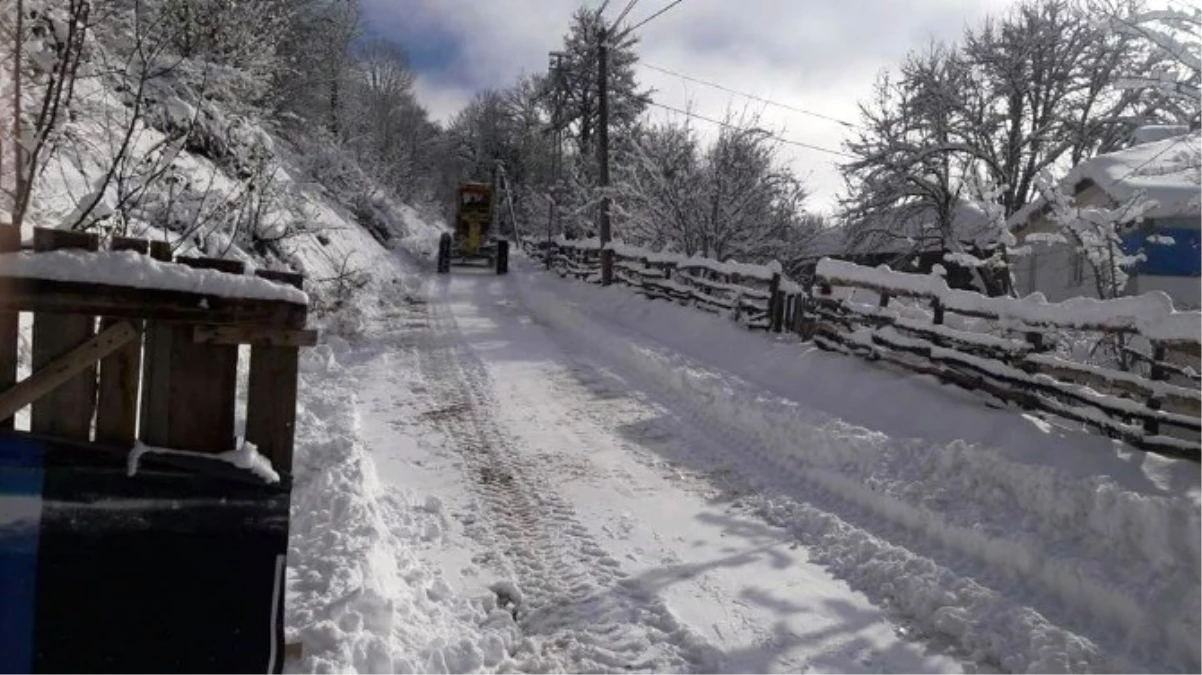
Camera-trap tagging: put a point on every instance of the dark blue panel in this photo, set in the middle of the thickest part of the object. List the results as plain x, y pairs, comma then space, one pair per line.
21, 476
1182, 258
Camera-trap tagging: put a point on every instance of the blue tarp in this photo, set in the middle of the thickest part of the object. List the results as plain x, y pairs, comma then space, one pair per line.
20, 504
1182, 258
179, 568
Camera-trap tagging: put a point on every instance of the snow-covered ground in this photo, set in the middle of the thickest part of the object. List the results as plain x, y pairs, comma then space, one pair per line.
525, 473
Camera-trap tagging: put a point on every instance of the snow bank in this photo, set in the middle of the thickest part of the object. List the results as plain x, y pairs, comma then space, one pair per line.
1003, 507
360, 600
129, 268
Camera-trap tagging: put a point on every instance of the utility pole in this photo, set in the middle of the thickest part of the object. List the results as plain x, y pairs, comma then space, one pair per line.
607, 260
495, 207
557, 157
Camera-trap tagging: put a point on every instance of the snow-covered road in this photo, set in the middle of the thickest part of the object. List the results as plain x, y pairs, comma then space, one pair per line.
565, 479
559, 492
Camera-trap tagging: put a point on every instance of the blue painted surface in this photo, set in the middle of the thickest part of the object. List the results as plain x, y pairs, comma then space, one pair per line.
1182, 258
21, 473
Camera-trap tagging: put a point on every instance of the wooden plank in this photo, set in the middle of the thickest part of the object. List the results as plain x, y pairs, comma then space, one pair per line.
66, 366
68, 297
219, 264
130, 244
271, 403
160, 250
249, 335
776, 305
156, 370
156, 385
10, 240
48, 239
201, 393
117, 398
67, 411
271, 397
202, 383
290, 278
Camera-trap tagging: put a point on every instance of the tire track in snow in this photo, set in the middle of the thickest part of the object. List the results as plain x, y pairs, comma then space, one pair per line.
981, 619
574, 605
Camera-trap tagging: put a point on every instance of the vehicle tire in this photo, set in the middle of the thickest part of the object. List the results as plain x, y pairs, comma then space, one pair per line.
444, 253
502, 257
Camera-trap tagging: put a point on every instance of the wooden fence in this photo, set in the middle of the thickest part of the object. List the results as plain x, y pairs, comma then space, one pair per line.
1158, 412
1151, 413
114, 362
757, 296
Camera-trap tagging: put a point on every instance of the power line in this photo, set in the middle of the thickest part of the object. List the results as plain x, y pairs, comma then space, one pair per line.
653, 16
732, 126
1157, 156
750, 96
629, 6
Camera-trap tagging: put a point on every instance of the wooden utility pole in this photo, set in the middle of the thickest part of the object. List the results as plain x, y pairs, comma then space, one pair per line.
557, 156
607, 260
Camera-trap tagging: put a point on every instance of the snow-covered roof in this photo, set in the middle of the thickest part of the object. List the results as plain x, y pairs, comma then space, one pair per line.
912, 229
828, 241
1166, 171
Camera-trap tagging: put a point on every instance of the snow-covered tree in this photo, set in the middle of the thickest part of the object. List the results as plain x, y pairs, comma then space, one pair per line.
579, 80
1039, 91
656, 201
384, 124
909, 154
731, 198
1095, 232
1168, 73
47, 50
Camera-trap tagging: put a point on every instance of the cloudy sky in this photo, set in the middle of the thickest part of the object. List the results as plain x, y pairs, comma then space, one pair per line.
817, 55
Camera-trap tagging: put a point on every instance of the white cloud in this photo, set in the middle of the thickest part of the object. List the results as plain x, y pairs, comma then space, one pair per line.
820, 55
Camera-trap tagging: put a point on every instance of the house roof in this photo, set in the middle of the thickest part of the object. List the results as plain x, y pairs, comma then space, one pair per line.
1166, 171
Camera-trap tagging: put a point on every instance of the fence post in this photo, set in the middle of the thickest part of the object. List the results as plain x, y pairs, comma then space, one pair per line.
1157, 374
117, 397
799, 314
271, 392
884, 299
775, 304
937, 307
1036, 341
67, 411
10, 240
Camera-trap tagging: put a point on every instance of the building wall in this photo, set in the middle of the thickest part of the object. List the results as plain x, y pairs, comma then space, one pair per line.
1056, 270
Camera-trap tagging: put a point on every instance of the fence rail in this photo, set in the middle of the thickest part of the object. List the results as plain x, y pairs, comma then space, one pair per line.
119, 360
1158, 412
1150, 412
751, 294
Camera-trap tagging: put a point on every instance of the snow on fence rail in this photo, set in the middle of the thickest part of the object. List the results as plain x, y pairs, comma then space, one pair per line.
129, 345
759, 296
1150, 413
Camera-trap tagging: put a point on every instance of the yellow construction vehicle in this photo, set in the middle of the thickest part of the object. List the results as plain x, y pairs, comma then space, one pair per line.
473, 239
